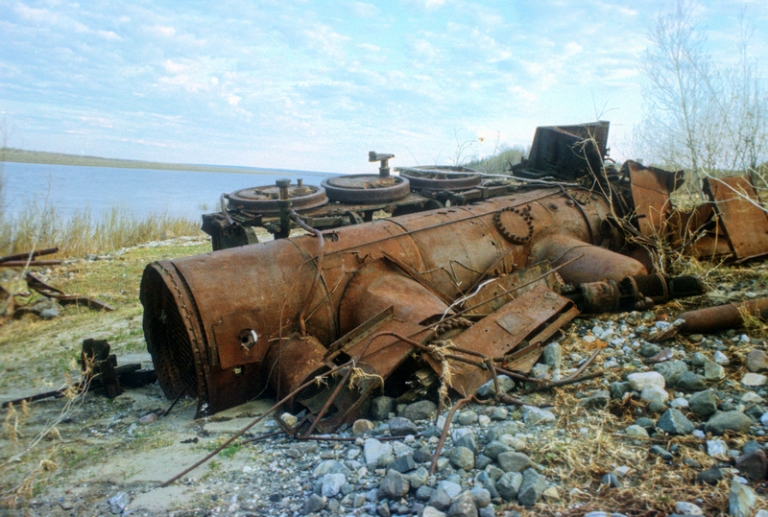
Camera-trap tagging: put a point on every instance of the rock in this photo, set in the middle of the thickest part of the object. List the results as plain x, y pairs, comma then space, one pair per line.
618, 389
149, 419
463, 506
653, 393
423, 493
710, 476
752, 380
679, 403
500, 413
741, 500
671, 370
49, 313
482, 497
660, 451
717, 448
750, 446
685, 508
649, 350
552, 493
394, 485
452, 489
331, 484
534, 416
514, 461
373, 450
488, 390
703, 403
418, 478
383, 509
553, 356
689, 381
463, 458
698, 359
118, 502
381, 407
636, 431
422, 455
431, 511
420, 410
313, 504
674, 422
721, 359
532, 488
467, 440
495, 433
723, 421
754, 465
757, 361
440, 499
399, 426
638, 381
611, 480
467, 418
403, 463
598, 399
482, 461
713, 371
493, 449
361, 427
509, 484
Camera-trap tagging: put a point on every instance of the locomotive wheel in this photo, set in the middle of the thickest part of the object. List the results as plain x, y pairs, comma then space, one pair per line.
366, 188
266, 199
441, 177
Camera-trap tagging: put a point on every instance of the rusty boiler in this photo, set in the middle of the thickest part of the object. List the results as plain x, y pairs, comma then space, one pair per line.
227, 326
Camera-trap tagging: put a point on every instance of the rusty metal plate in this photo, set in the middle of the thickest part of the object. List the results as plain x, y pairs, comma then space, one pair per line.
235, 338
744, 218
500, 333
650, 192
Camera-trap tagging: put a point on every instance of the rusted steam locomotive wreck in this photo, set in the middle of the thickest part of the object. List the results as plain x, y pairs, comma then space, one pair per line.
469, 277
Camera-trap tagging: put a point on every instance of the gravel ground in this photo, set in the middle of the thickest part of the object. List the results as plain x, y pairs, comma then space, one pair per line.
671, 428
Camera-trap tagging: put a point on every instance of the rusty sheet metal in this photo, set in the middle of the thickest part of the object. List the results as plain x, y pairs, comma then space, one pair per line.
499, 334
490, 297
650, 191
722, 317
744, 218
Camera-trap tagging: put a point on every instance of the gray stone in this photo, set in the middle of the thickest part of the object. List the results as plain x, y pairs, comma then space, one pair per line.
757, 361
394, 485
451, 488
420, 410
431, 511
553, 356
649, 350
636, 431
689, 381
118, 502
499, 413
467, 418
403, 463
418, 477
723, 421
313, 504
467, 440
660, 451
495, 433
509, 484
618, 389
381, 407
463, 458
423, 493
656, 407
463, 506
710, 476
488, 511
534, 416
741, 500
49, 313
721, 359
374, 450
611, 480
488, 390
494, 448
514, 461
674, 422
383, 510
654, 393
598, 399
717, 448
640, 380
698, 359
440, 499
532, 487
686, 508
703, 403
482, 497
399, 426
482, 461
713, 371
331, 484
422, 455
750, 446
671, 370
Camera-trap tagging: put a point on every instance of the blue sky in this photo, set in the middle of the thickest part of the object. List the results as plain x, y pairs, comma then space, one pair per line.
316, 85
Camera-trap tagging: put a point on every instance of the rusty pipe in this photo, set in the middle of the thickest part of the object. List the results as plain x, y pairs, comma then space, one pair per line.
722, 317
211, 320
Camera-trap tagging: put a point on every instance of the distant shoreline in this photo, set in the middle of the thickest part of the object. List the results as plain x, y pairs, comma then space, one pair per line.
10, 154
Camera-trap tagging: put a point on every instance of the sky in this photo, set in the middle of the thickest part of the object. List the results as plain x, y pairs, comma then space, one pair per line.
315, 85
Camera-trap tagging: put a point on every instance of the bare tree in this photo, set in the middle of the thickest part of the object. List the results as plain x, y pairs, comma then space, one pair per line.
707, 119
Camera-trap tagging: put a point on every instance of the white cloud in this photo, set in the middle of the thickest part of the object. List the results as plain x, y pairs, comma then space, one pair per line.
234, 100
164, 30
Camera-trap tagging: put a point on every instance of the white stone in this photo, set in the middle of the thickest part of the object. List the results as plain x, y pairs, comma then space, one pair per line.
636, 431
679, 403
721, 358
717, 448
685, 508
621, 471
431, 511
754, 379
533, 415
764, 419
653, 393
640, 380
374, 449
698, 433
750, 397
484, 420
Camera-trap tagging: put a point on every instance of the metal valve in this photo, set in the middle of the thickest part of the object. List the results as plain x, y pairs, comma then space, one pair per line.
373, 156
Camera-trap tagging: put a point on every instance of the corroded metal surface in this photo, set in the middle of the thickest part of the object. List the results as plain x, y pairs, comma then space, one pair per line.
722, 317
265, 200
441, 177
744, 218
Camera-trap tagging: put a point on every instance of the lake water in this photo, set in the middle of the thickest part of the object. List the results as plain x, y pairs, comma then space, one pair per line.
69, 188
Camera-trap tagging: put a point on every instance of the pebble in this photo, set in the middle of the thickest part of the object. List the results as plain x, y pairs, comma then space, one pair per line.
463, 506
703, 403
394, 485
741, 500
685, 508
653, 393
400, 426
514, 461
463, 458
532, 488
118, 502
638, 381
713, 371
757, 361
752, 380
723, 421
534, 416
509, 484
420, 410
717, 448
674, 422
488, 390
